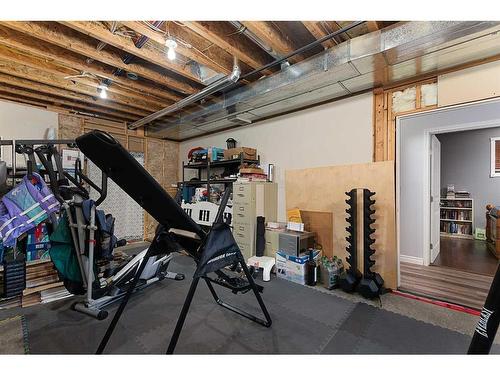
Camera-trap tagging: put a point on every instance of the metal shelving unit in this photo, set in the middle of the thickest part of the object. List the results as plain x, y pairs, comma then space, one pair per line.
208, 165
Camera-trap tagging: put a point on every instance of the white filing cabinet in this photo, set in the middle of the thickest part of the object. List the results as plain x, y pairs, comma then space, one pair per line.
252, 199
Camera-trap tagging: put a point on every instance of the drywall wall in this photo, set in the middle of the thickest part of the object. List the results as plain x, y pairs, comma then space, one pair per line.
413, 162
19, 121
465, 163
331, 134
475, 83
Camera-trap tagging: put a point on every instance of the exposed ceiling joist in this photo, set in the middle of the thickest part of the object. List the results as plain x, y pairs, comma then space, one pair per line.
373, 26
61, 56
186, 47
226, 37
38, 75
64, 102
100, 32
123, 95
83, 85
61, 36
268, 34
318, 31
44, 89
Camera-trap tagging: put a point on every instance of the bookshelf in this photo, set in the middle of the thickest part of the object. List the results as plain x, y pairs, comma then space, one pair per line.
457, 217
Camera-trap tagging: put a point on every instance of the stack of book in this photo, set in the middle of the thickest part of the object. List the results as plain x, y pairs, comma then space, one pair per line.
462, 194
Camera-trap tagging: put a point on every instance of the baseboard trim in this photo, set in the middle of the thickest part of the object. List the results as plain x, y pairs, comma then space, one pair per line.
412, 260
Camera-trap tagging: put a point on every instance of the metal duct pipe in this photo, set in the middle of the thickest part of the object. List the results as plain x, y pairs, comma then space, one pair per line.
209, 90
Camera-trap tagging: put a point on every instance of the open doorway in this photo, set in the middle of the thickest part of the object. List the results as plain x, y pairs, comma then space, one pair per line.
462, 186
448, 268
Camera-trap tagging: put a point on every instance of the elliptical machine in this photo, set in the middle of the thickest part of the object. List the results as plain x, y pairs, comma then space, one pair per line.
93, 240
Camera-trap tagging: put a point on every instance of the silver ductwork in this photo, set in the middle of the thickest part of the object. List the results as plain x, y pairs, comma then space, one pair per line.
209, 90
398, 53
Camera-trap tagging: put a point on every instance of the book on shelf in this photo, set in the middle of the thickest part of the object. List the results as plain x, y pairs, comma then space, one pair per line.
455, 215
456, 228
456, 204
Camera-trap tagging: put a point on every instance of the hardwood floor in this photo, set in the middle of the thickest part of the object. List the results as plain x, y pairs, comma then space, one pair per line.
466, 255
445, 284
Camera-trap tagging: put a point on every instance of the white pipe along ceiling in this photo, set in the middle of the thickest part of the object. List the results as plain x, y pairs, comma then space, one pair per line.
394, 54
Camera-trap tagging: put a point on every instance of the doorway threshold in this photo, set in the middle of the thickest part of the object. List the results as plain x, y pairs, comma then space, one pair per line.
445, 284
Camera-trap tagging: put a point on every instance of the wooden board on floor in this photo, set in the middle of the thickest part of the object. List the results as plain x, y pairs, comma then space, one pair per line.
323, 189
320, 222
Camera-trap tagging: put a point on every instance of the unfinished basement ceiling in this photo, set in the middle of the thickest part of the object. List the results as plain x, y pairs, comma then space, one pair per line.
387, 56
62, 65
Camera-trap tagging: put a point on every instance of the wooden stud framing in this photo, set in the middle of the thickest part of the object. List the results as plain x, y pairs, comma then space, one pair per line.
384, 119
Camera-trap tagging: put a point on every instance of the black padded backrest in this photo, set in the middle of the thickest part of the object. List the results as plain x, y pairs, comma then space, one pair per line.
113, 159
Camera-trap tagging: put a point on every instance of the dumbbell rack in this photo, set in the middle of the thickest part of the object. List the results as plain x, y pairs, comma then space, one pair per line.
350, 280
371, 284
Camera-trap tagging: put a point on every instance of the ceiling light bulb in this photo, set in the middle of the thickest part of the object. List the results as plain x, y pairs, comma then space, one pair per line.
171, 54
171, 45
103, 94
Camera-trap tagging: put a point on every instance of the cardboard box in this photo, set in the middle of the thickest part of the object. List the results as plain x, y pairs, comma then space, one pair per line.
293, 268
234, 153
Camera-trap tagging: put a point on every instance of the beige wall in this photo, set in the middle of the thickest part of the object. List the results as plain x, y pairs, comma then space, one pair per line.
467, 85
331, 134
19, 121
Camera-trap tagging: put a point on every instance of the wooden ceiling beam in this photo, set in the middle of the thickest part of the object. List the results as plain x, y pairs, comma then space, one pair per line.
216, 63
268, 34
99, 31
17, 67
224, 35
318, 32
40, 76
63, 101
372, 26
126, 96
61, 36
61, 56
22, 83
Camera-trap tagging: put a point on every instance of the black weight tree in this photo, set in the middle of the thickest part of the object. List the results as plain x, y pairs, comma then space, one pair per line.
371, 284
351, 278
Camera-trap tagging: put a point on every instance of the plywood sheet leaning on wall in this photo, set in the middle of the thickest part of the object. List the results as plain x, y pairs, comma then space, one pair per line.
323, 189
322, 224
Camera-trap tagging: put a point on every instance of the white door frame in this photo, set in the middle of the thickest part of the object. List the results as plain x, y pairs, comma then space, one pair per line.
426, 169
